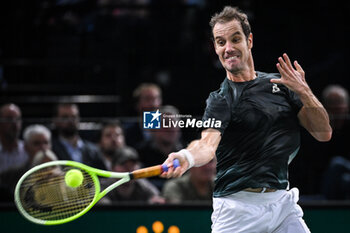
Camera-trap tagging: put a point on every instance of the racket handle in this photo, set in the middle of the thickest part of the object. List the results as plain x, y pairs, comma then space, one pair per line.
146, 172
152, 171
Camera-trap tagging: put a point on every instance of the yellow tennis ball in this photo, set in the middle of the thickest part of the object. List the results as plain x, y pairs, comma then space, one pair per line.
74, 178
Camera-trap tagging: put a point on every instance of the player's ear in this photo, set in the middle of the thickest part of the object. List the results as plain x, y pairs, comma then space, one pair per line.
250, 41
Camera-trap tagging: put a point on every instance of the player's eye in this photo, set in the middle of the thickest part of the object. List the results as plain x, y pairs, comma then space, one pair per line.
236, 39
220, 42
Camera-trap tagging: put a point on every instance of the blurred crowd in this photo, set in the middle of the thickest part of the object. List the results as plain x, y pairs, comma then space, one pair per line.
322, 171
121, 147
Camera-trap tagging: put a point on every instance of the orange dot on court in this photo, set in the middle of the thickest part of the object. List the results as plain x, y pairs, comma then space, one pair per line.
158, 227
141, 229
173, 229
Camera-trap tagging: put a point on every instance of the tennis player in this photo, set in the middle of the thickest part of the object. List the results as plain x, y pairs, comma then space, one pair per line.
261, 114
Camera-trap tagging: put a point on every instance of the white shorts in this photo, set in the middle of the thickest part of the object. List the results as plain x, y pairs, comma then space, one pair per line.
250, 212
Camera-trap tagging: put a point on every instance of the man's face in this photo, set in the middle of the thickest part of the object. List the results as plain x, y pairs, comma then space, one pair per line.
112, 138
10, 122
150, 99
67, 121
127, 166
37, 142
338, 108
232, 47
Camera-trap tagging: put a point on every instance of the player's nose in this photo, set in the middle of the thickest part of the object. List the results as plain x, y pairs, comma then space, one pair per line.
229, 47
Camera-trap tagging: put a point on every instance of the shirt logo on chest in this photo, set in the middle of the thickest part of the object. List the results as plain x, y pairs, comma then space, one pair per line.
275, 88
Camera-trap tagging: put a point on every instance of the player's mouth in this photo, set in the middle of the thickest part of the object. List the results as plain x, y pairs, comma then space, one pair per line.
232, 59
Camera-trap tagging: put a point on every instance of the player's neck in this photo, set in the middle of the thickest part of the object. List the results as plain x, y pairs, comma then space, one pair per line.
243, 76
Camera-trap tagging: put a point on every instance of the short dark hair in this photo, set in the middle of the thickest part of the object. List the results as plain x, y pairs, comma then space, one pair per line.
63, 104
110, 123
144, 86
228, 14
342, 93
125, 154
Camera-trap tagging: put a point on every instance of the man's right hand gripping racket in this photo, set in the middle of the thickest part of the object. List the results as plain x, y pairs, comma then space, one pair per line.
61, 191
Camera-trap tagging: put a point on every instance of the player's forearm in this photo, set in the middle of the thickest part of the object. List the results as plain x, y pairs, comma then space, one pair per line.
198, 153
314, 116
201, 152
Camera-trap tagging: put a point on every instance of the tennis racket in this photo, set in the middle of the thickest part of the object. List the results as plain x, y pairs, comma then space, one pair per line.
43, 197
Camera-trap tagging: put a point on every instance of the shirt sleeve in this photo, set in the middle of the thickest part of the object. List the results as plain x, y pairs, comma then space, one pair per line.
218, 108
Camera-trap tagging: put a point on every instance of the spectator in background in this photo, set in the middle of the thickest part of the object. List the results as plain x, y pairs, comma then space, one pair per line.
68, 145
196, 185
111, 139
140, 190
37, 143
13, 157
162, 142
336, 102
337, 178
134, 12
148, 97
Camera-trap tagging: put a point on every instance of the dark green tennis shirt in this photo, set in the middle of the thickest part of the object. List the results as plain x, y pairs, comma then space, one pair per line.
260, 133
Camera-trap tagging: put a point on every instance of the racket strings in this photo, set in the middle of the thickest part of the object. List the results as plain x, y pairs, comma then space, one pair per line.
44, 194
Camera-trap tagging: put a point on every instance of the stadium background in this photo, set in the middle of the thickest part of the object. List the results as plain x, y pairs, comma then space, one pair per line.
95, 53
56, 48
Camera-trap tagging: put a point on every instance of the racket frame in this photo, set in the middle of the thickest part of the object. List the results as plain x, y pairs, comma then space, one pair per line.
93, 172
